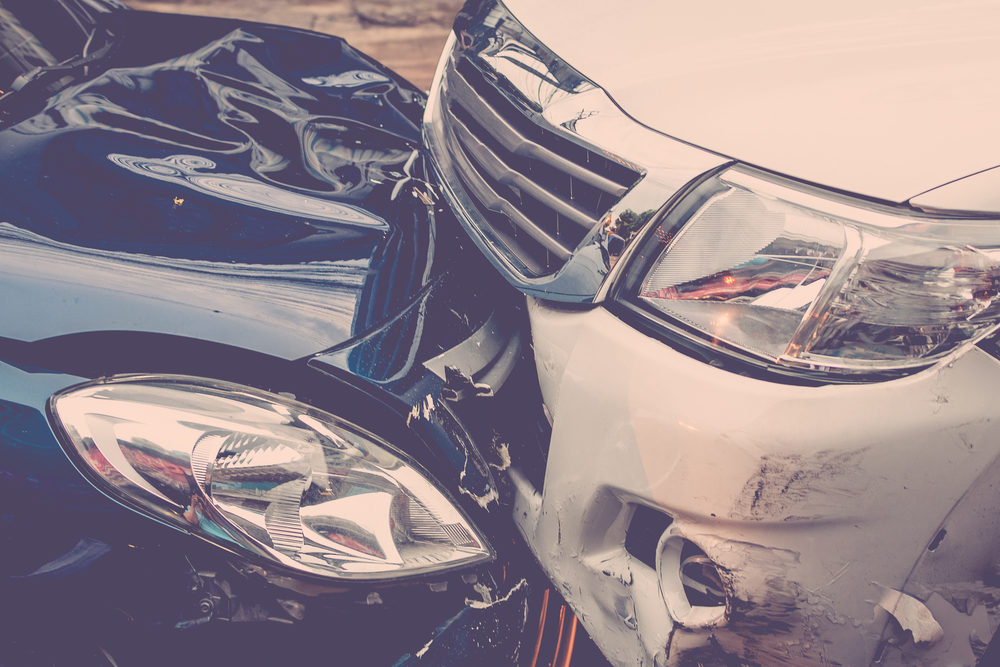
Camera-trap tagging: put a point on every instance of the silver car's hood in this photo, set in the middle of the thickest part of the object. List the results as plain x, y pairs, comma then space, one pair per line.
885, 99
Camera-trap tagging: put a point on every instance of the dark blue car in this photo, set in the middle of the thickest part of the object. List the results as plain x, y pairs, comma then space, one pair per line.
256, 402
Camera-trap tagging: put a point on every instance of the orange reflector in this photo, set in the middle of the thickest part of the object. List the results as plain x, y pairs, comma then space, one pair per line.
564, 633
541, 627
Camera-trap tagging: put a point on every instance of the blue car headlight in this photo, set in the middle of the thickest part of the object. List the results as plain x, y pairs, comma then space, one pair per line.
256, 472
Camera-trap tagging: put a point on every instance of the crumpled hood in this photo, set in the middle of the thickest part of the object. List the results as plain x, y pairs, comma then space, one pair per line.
886, 99
262, 189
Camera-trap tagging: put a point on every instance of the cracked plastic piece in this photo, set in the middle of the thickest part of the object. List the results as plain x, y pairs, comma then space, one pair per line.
479, 365
912, 615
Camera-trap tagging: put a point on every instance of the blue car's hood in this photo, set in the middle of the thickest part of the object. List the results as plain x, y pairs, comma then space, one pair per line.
262, 189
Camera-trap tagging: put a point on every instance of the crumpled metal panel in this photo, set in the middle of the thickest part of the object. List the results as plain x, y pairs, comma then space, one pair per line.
255, 186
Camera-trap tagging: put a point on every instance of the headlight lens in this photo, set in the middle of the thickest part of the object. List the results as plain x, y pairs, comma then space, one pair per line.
813, 281
252, 470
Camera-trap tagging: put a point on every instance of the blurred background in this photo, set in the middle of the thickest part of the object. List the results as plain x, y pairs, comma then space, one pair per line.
405, 35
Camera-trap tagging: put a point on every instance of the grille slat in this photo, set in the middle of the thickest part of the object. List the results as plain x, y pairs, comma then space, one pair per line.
488, 198
461, 92
502, 173
536, 191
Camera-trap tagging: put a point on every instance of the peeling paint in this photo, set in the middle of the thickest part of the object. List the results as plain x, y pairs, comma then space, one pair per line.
503, 452
911, 614
487, 631
485, 592
483, 500
426, 647
488, 600
618, 569
966, 613
422, 410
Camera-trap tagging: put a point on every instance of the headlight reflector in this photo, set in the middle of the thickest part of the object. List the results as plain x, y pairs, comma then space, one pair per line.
247, 469
818, 282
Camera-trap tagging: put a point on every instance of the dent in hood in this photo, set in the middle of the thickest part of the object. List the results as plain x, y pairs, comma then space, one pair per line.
264, 191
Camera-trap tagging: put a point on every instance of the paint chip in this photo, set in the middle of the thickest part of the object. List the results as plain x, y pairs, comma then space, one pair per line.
422, 409
912, 615
488, 600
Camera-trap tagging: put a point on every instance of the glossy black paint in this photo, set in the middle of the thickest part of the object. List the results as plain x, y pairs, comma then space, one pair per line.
246, 203
261, 190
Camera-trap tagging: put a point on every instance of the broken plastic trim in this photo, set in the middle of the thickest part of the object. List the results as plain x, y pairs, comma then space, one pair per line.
911, 614
481, 364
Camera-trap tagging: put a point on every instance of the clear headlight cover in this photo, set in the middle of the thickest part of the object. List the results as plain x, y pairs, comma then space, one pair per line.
246, 469
824, 282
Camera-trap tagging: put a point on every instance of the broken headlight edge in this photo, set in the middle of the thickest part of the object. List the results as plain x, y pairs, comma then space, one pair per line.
262, 475
813, 282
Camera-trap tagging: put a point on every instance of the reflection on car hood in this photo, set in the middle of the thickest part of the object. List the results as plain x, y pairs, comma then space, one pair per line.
263, 190
886, 99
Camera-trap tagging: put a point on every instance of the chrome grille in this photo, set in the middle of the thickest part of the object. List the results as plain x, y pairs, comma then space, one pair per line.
539, 192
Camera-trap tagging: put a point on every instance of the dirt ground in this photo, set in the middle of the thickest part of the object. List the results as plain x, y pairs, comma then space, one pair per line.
406, 35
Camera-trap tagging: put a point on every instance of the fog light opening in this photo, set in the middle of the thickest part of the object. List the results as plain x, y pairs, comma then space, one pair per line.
690, 582
700, 578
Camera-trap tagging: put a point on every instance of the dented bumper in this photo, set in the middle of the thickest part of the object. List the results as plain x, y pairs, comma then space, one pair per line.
843, 524
107, 580
247, 204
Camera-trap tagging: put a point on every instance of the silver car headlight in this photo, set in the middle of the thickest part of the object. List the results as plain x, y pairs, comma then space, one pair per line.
256, 472
813, 280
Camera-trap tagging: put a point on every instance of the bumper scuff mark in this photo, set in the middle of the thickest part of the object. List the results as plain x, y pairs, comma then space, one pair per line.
422, 410
785, 482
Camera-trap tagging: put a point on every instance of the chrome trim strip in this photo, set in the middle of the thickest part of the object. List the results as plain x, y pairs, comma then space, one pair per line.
490, 200
499, 171
510, 138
